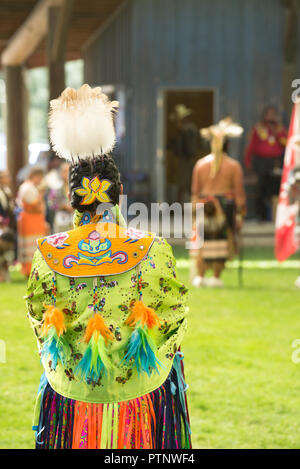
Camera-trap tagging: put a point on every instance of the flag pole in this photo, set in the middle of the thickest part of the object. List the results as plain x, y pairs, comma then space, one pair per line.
297, 162
297, 281
241, 258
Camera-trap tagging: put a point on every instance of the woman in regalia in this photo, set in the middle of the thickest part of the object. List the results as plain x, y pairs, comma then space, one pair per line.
107, 307
31, 221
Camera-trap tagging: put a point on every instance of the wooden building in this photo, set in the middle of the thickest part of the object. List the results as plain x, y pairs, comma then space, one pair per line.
217, 57
36, 33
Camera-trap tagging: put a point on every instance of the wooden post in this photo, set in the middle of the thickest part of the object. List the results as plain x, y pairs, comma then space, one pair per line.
56, 68
16, 120
58, 22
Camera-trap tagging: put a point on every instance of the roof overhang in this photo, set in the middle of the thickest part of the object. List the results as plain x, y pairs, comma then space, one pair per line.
24, 25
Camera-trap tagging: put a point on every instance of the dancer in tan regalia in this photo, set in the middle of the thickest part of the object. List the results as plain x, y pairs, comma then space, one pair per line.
218, 183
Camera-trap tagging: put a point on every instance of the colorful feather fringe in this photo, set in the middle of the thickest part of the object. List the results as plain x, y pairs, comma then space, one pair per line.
141, 347
55, 345
95, 360
154, 421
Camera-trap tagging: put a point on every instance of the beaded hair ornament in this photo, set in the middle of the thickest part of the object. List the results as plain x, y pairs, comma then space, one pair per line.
93, 189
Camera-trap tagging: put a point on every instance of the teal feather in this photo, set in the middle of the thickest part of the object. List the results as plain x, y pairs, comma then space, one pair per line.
142, 350
55, 347
95, 361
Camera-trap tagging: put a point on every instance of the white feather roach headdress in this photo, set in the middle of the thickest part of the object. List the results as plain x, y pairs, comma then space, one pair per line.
216, 134
81, 123
225, 128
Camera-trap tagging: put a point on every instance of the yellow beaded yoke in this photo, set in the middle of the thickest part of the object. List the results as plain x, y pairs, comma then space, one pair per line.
97, 249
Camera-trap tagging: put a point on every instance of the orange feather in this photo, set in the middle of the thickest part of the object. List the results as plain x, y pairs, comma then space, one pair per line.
143, 314
96, 326
53, 317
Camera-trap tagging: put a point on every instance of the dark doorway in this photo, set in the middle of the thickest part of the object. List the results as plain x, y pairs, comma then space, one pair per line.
178, 168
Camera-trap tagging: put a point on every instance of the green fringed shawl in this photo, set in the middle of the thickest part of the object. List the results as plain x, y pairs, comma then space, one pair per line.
161, 290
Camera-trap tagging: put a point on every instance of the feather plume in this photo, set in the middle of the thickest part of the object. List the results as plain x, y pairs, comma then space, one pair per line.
225, 128
53, 317
142, 350
95, 361
140, 313
96, 325
216, 134
141, 346
53, 330
55, 348
81, 123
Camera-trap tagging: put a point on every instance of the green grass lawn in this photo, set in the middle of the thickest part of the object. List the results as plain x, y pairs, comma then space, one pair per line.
244, 387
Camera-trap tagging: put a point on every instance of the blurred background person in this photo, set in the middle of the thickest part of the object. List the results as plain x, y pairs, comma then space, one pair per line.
31, 220
264, 154
7, 244
52, 183
59, 203
7, 225
218, 183
185, 146
7, 218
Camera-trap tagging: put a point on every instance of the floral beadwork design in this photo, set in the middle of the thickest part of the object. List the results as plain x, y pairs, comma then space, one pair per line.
93, 189
58, 240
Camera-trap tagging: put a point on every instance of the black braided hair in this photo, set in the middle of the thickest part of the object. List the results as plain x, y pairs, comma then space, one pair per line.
102, 166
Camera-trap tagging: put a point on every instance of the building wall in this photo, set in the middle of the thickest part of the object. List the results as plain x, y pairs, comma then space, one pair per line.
108, 60
234, 46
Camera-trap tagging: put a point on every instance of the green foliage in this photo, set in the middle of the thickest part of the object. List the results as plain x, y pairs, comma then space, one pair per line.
74, 73
243, 385
37, 84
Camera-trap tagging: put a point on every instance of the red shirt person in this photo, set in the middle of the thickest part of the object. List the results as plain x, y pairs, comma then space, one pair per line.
264, 155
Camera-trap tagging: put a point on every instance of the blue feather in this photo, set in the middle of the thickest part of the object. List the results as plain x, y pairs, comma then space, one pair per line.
55, 347
94, 362
142, 350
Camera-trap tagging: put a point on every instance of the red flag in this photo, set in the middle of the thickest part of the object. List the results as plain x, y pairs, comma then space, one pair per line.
286, 242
